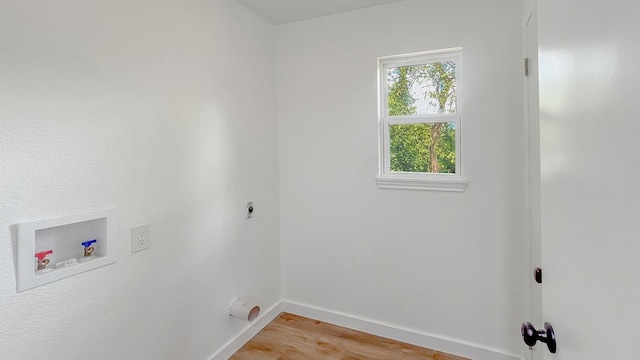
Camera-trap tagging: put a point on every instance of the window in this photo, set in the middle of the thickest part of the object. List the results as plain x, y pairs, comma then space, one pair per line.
420, 121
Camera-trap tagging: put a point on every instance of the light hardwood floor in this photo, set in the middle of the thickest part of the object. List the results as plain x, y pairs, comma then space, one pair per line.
291, 337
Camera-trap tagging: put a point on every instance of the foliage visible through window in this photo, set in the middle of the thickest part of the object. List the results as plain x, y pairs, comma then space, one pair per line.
422, 89
420, 117
427, 148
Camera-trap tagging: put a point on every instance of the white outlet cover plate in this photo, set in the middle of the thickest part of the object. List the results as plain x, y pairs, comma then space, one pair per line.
140, 238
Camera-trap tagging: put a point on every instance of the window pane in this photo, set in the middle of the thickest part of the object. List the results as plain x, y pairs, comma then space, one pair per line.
425, 148
422, 89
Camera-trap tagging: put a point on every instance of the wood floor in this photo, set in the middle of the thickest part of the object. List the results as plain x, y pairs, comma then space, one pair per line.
291, 337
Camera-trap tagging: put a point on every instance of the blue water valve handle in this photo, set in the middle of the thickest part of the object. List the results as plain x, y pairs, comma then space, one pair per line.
86, 244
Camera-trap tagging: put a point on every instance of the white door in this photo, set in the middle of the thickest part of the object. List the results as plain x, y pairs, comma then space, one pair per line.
533, 151
589, 64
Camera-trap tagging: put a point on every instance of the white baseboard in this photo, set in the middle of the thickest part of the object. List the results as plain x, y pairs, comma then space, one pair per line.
237, 342
439, 343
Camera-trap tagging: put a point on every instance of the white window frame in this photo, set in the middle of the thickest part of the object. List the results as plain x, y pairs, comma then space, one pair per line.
387, 179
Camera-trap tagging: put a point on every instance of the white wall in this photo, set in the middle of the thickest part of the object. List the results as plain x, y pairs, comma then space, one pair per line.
452, 265
166, 110
529, 6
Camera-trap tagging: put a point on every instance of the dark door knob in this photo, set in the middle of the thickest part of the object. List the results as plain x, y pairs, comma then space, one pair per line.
530, 335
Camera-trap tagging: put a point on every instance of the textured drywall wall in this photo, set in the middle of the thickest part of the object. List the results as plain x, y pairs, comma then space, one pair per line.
166, 110
447, 264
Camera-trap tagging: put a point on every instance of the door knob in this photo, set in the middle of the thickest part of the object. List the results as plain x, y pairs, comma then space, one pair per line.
530, 335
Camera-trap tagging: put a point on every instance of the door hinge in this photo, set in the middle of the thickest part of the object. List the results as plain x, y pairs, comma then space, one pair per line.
526, 66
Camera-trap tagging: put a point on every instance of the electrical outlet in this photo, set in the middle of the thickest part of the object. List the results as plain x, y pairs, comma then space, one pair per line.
249, 210
140, 238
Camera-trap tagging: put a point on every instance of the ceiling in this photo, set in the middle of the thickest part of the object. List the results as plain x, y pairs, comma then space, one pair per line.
286, 11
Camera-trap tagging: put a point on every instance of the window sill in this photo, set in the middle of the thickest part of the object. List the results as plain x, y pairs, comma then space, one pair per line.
427, 184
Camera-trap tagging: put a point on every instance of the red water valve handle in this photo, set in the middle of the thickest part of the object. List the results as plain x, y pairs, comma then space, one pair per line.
43, 254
